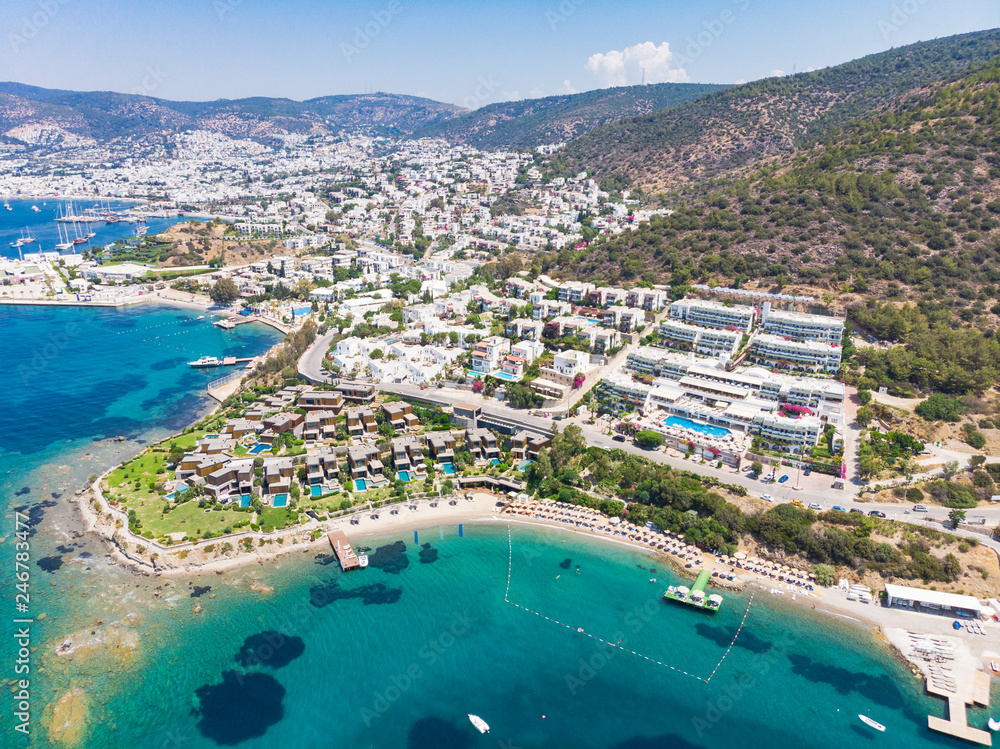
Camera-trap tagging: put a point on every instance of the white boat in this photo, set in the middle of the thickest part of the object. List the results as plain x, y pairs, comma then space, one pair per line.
479, 723
362, 560
200, 317
26, 237
35, 208
994, 724
871, 722
206, 361
7, 206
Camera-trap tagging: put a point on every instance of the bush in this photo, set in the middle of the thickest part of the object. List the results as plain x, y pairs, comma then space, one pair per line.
976, 440
914, 495
825, 575
940, 407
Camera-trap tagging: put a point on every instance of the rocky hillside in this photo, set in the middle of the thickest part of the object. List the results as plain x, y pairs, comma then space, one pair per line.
40, 117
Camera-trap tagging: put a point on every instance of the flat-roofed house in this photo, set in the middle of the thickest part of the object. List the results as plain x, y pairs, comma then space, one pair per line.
441, 446
407, 453
482, 443
357, 393
400, 415
364, 462
361, 422
322, 400
277, 476
319, 425
322, 467
526, 446
235, 477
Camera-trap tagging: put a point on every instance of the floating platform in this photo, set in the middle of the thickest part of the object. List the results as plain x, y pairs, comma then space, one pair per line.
696, 596
974, 689
346, 557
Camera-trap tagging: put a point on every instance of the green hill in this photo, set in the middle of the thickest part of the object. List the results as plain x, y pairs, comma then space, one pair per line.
555, 119
727, 131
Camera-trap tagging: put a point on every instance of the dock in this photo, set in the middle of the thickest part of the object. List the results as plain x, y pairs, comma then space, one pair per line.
342, 550
696, 596
970, 688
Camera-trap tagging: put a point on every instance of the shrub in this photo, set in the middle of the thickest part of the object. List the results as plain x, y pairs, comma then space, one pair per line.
648, 439
976, 440
914, 495
825, 575
940, 407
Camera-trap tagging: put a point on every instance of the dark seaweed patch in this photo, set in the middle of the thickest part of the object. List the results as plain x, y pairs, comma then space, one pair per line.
390, 558
200, 590
325, 559
242, 707
331, 592
878, 689
434, 733
428, 554
565, 564
271, 649
665, 741
723, 636
50, 564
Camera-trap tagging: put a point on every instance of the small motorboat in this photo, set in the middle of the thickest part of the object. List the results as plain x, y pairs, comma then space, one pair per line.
994, 724
479, 723
362, 560
871, 722
956, 624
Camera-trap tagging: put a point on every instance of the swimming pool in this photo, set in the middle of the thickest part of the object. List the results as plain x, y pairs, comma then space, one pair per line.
708, 430
244, 500
403, 475
280, 500
316, 490
495, 461
448, 468
360, 485
501, 375
260, 447
210, 437
524, 464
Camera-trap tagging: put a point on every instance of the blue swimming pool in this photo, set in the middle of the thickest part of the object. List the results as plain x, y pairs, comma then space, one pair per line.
403, 475
210, 437
706, 429
524, 464
280, 500
501, 375
244, 500
260, 447
360, 485
495, 461
316, 490
302, 311
448, 468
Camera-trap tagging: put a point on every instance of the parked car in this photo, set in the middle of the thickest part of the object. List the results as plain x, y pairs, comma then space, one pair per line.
807, 471
855, 509
839, 508
919, 508
815, 506
783, 479
767, 497
876, 514
619, 438
797, 503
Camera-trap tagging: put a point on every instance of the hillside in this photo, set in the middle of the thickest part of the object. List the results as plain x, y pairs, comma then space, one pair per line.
555, 119
41, 117
727, 131
903, 208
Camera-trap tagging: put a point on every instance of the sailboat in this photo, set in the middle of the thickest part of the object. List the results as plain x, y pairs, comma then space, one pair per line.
479, 723
78, 239
26, 237
871, 722
64, 243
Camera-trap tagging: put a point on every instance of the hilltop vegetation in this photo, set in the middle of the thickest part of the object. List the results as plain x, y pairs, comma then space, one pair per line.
554, 119
743, 125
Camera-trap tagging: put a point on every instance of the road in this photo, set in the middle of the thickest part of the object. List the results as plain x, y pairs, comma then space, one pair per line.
815, 488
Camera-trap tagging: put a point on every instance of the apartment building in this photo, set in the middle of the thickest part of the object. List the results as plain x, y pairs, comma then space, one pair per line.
706, 341
575, 292
649, 300
710, 314
322, 400
488, 352
809, 355
801, 326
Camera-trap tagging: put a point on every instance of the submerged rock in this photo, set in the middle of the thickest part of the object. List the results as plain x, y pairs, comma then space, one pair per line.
69, 718
258, 587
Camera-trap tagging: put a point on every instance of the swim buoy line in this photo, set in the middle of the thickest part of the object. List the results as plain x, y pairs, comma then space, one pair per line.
580, 630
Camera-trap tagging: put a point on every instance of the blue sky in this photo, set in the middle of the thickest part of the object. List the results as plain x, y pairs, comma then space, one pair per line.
468, 53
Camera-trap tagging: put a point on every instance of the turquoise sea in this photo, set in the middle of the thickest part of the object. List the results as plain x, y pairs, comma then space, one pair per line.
395, 655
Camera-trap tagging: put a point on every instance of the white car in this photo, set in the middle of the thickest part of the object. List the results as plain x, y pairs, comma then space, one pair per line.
767, 497
919, 508
815, 506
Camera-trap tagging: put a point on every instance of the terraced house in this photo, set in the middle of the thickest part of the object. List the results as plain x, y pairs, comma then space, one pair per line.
482, 444
322, 400
361, 422
400, 415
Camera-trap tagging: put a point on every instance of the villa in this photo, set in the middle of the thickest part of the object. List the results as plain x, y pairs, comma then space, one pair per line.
482, 443
441, 446
322, 400
319, 425
526, 446
400, 415
408, 453
361, 422
322, 467
364, 464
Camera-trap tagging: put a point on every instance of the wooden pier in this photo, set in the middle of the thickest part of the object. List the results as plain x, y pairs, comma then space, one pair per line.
969, 689
342, 550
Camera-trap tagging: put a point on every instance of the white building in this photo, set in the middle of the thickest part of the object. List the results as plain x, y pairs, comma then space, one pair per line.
710, 314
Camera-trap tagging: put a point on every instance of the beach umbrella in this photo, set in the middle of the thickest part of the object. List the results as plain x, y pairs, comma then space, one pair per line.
683, 590
715, 598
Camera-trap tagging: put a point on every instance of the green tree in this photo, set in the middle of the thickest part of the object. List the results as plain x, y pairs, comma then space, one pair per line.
956, 516
648, 439
865, 416
757, 467
825, 575
224, 292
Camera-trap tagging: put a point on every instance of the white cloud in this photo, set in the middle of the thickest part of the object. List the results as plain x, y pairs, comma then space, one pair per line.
644, 61
568, 88
537, 93
777, 72
738, 81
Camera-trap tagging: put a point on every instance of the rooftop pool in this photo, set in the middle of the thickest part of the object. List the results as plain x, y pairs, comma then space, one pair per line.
708, 430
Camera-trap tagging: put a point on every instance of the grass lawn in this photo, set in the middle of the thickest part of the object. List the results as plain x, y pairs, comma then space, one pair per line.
188, 517
143, 467
188, 441
275, 517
